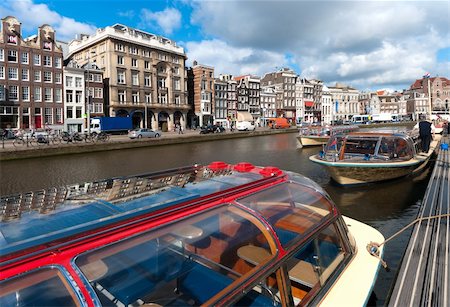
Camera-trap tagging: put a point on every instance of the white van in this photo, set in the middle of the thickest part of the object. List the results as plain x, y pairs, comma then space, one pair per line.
245, 125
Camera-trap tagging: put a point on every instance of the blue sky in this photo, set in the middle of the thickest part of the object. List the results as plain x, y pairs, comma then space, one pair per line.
366, 44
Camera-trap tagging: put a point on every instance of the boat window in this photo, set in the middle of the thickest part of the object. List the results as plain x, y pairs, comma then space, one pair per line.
314, 263
361, 146
395, 148
265, 293
186, 263
292, 209
44, 287
335, 143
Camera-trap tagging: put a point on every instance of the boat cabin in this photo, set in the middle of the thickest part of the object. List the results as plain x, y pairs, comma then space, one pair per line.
370, 147
203, 235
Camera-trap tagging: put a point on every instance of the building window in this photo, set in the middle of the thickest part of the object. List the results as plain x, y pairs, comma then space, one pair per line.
13, 73
58, 95
177, 99
25, 75
121, 77
58, 62
97, 78
98, 92
135, 78
134, 63
162, 98
47, 76
48, 113
161, 82
37, 94
135, 97
78, 96
37, 76
48, 95
25, 93
78, 112
176, 70
147, 65
37, 59
59, 118
133, 50
24, 58
89, 92
47, 61
69, 81
78, 82
13, 92
12, 56
119, 47
148, 98
122, 96
58, 78
147, 80
98, 107
177, 84
2, 54
2, 93
69, 111
120, 60
2, 72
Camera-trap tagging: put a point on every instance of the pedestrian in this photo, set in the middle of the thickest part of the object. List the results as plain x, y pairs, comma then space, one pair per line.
426, 131
445, 128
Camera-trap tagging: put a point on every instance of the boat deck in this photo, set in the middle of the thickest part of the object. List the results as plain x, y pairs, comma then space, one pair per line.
424, 276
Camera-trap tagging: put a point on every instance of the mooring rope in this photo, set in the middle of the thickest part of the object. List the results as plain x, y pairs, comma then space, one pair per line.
374, 248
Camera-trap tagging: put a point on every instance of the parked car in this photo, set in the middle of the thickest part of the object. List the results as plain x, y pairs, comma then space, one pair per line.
211, 129
143, 133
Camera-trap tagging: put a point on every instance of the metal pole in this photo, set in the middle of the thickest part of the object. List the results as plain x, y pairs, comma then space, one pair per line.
145, 115
89, 100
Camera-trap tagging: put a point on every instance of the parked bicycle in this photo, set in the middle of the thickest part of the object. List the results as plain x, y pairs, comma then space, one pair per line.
24, 141
103, 137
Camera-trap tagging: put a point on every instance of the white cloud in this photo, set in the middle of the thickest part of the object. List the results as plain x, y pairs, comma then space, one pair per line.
33, 15
364, 43
233, 60
167, 20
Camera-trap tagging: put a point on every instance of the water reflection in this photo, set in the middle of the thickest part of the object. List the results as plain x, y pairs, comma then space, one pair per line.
387, 206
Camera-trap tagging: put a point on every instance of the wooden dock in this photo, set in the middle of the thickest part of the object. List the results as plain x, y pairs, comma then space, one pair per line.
423, 278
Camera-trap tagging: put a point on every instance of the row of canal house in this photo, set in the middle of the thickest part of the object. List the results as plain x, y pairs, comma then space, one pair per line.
122, 71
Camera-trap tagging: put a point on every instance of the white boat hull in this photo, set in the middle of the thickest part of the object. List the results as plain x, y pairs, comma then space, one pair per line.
353, 173
311, 140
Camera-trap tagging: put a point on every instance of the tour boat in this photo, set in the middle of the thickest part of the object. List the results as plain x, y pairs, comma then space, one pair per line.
220, 234
365, 157
319, 135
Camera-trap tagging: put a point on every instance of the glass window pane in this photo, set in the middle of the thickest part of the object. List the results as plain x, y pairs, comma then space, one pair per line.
290, 208
44, 287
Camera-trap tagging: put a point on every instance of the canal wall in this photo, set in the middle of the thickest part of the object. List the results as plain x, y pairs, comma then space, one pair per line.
78, 148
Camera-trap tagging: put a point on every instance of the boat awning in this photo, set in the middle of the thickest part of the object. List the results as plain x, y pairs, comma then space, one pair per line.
309, 103
244, 116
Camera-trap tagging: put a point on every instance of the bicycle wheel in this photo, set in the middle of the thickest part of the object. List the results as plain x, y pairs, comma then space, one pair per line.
18, 142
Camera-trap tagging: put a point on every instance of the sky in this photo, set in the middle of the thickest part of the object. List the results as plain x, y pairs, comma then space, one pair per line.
369, 45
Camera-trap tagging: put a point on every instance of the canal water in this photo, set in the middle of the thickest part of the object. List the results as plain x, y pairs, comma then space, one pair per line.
386, 206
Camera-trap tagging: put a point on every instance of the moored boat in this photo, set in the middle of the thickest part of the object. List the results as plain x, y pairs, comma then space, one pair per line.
203, 235
319, 135
365, 157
